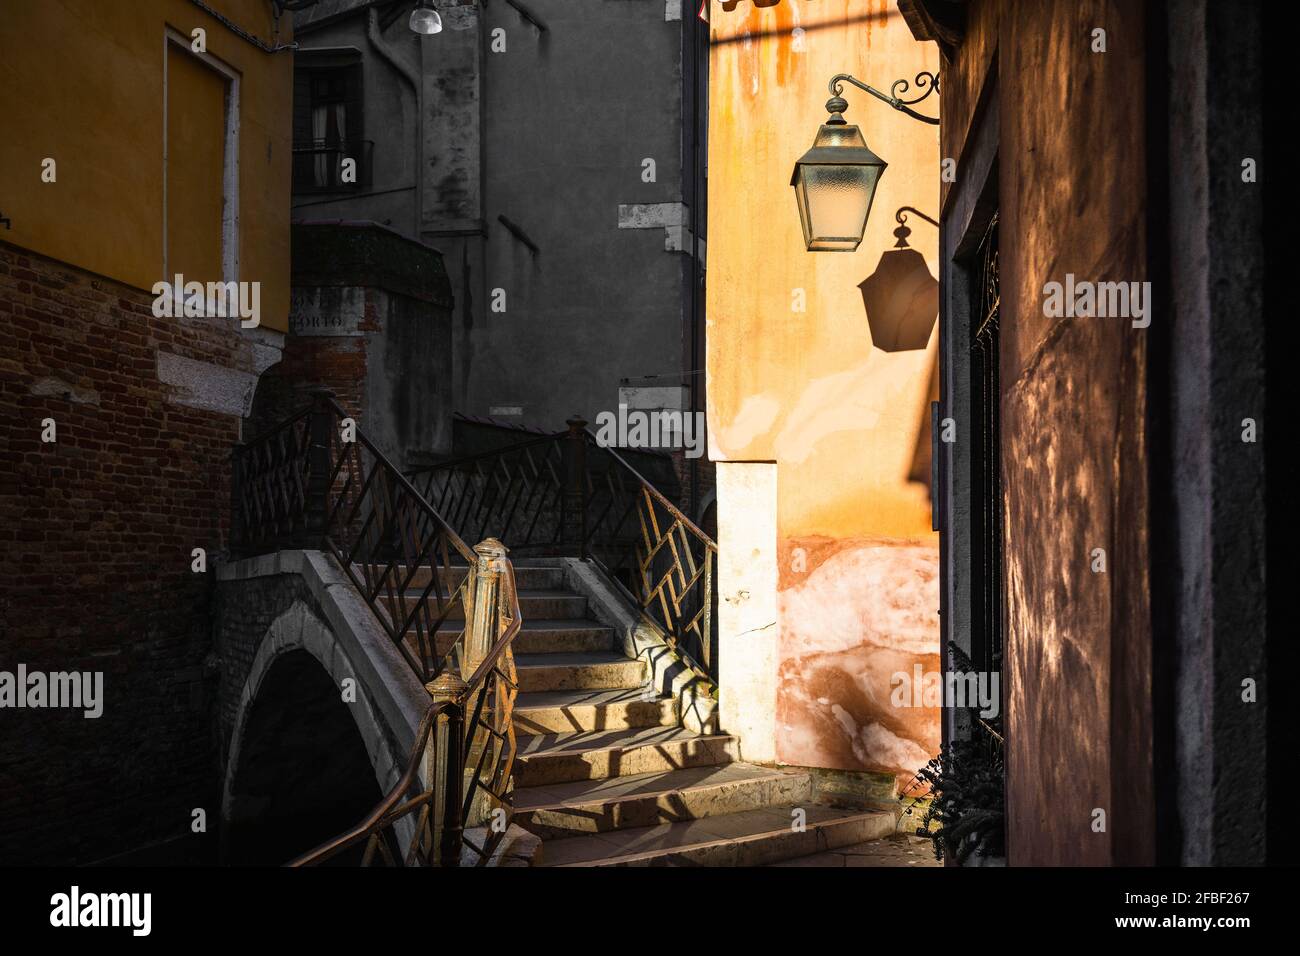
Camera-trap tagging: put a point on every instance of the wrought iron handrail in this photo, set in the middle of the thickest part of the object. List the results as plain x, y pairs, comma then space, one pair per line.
377, 515
676, 595
567, 494
482, 494
317, 481
492, 688
439, 826
309, 482
652, 490
382, 820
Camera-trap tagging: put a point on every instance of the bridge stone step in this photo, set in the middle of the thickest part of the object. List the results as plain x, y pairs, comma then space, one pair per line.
565, 810
539, 637
607, 776
747, 838
564, 711
533, 605
562, 636
527, 577
593, 670
562, 758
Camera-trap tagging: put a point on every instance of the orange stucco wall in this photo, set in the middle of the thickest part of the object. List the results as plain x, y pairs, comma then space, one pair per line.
845, 419
81, 81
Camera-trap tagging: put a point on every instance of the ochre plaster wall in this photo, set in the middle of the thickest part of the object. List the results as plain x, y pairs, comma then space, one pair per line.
81, 82
810, 390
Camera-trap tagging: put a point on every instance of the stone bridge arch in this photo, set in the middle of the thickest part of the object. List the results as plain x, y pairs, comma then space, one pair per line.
304, 764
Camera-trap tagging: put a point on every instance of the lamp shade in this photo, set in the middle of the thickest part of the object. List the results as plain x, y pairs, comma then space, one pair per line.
834, 185
425, 19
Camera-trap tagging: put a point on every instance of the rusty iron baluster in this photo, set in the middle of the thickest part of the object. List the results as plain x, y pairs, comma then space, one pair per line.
607, 512
268, 497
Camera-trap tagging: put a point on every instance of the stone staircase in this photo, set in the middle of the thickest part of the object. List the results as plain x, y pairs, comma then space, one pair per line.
606, 775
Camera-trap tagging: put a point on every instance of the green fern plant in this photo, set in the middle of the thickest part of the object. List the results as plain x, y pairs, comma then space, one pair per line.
967, 814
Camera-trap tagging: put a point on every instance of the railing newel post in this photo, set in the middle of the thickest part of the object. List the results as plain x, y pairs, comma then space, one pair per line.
481, 633
444, 769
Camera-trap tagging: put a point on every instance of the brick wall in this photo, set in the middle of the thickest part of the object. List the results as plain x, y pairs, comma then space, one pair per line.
96, 532
311, 361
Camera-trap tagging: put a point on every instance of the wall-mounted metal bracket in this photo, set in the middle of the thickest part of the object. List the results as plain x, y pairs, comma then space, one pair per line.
929, 82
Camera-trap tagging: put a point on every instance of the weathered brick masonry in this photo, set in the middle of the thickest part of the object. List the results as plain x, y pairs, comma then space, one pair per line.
96, 533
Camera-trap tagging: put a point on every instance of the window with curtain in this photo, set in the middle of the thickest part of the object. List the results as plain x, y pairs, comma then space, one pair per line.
327, 121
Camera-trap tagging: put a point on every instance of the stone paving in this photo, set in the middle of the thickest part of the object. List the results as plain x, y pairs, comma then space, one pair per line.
901, 849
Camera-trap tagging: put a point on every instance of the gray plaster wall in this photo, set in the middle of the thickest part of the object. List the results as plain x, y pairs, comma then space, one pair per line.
551, 133
371, 320
408, 380
571, 114
390, 67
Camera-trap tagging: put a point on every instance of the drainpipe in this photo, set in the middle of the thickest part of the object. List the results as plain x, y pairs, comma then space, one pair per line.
412, 77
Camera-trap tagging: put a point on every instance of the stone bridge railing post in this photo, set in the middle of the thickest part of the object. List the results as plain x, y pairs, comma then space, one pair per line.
481, 633
481, 629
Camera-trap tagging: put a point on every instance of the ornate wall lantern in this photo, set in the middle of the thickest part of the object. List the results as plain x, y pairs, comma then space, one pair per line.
835, 181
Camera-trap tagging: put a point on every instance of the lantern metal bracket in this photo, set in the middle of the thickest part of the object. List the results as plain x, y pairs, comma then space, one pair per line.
900, 216
929, 82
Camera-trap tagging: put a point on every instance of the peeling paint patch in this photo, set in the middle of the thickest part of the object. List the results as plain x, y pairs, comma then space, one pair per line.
652, 215
859, 617
754, 418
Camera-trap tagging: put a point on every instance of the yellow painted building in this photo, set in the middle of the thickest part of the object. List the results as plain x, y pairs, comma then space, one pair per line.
818, 411
136, 152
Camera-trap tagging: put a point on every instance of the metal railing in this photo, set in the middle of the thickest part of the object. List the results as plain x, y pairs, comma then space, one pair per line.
316, 481
565, 494
318, 166
465, 742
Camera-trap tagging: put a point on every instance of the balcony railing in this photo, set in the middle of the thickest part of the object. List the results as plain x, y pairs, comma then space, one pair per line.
319, 167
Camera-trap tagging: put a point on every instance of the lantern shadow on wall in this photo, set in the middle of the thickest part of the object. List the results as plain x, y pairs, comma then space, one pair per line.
902, 296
